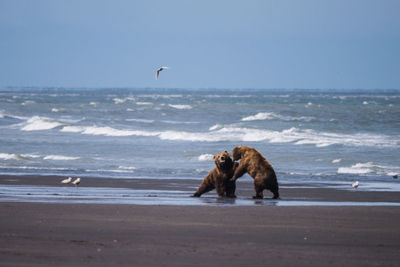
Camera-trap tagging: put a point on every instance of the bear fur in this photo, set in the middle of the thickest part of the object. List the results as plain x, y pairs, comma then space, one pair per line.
220, 177
254, 163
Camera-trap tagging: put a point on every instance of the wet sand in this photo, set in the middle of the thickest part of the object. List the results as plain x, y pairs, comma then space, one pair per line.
244, 188
42, 234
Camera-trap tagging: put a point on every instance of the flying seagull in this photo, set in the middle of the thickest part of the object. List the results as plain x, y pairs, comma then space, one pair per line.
160, 69
66, 181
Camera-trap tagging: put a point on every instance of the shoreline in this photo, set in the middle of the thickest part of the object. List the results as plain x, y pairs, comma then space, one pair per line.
177, 192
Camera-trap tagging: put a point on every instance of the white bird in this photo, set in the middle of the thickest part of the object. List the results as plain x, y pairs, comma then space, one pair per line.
77, 181
355, 184
66, 181
160, 69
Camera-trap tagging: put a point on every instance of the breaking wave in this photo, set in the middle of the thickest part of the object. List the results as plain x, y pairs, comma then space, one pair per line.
106, 131
6, 115
369, 168
230, 133
12, 156
37, 123
274, 116
206, 157
180, 106
60, 157
123, 100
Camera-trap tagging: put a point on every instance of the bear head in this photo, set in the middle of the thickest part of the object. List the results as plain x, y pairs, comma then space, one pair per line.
236, 153
223, 161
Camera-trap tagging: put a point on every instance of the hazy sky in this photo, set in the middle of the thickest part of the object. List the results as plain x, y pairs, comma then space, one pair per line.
207, 44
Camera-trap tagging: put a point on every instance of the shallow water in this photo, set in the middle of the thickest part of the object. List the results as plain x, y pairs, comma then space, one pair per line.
101, 195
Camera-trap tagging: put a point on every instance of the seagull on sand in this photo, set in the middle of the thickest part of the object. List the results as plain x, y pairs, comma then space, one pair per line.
355, 184
77, 181
160, 69
66, 181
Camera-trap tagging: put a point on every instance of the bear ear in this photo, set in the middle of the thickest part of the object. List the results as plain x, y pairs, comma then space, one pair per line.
226, 151
214, 157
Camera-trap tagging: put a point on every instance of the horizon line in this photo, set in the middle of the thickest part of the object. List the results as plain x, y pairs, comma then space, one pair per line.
50, 87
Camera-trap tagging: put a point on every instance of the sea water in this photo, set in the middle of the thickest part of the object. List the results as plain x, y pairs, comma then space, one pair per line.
309, 136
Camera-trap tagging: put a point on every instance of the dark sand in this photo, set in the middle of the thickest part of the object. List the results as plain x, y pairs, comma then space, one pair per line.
40, 234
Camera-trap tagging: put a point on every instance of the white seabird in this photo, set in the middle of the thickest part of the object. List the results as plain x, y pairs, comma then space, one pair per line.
355, 184
66, 181
77, 181
160, 69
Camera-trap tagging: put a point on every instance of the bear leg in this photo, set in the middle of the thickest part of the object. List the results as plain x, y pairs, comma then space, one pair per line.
276, 194
230, 189
239, 172
274, 188
220, 190
259, 188
204, 188
259, 193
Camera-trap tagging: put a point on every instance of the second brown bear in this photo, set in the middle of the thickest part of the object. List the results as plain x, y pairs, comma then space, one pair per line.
220, 177
252, 162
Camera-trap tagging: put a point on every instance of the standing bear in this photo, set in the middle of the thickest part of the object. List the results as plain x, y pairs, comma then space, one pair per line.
258, 167
220, 177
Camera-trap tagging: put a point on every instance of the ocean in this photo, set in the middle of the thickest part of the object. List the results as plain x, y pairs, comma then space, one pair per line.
324, 137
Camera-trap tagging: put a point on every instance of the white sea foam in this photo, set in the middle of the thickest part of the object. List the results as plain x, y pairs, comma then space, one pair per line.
28, 102
6, 156
179, 122
72, 129
180, 106
59, 157
206, 157
106, 131
216, 127
368, 168
118, 100
132, 168
336, 160
144, 103
260, 116
37, 123
141, 120
157, 96
123, 100
219, 133
30, 156
6, 115
9, 156
273, 116
359, 168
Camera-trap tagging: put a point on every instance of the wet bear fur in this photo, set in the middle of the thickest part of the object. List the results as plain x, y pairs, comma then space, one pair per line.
254, 163
220, 177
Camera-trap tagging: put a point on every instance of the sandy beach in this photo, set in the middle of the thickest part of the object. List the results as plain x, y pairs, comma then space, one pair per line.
45, 234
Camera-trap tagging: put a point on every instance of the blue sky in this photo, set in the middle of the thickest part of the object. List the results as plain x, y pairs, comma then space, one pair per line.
207, 44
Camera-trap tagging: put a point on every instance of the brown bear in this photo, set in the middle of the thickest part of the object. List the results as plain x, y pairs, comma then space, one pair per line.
252, 162
220, 177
